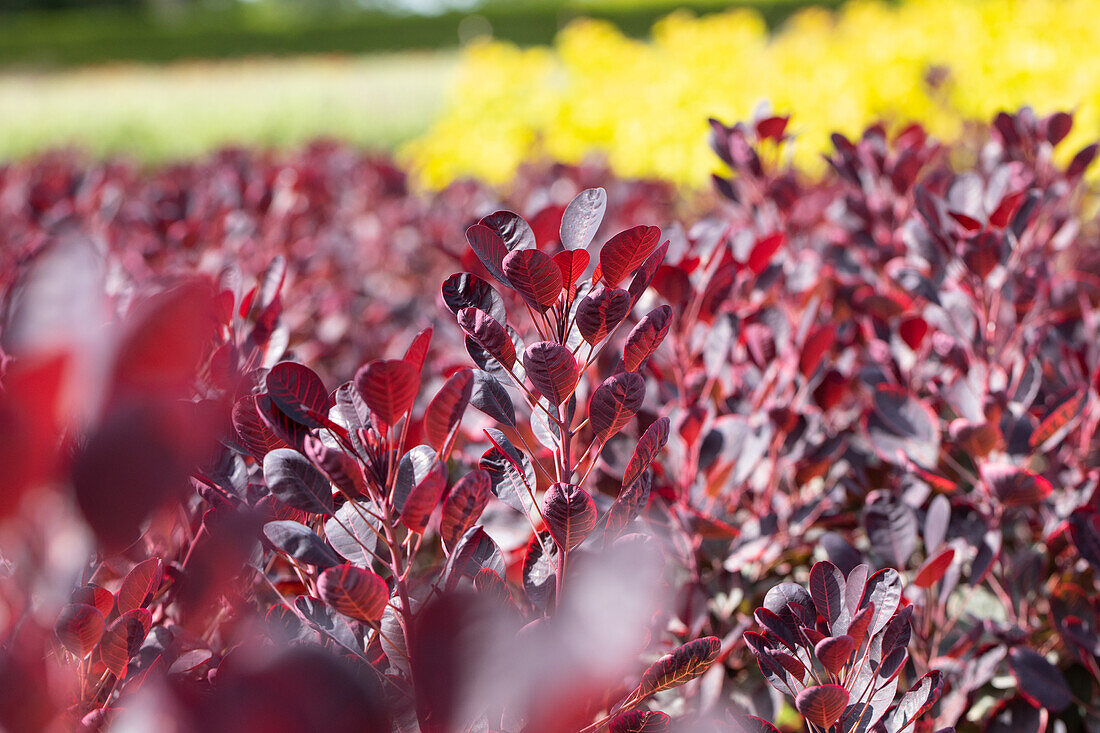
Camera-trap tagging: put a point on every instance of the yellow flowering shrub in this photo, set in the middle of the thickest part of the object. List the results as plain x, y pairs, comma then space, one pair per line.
645, 104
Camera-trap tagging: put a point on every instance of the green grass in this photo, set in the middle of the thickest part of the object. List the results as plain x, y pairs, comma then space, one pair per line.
181, 110
100, 35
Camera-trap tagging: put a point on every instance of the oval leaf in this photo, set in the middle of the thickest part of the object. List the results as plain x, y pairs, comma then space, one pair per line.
445, 410
355, 592
464, 505
645, 337
834, 652
552, 369
1039, 680
490, 249
123, 638
512, 229
614, 403
491, 398
252, 431
423, 497
463, 290
298, 392
934, 568
638, 721
571, 264
653, 439
626, 252
1014, 486
822, 705
389, 388
294, 481
79, 627
570, 514
300, 542
138, 584
682, 665
601, 311
354, 532
827, 591
535, 277
489, 334
582, 218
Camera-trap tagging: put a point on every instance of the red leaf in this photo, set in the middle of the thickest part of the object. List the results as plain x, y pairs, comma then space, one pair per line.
934, 568
638, 721
534, 276
601, 311
389, 388
626, 251
253, 432
861, 621
1057, 419
1038, 679
571, 263
165, 338
654, 438
464, 505
582, 218
614, 403
298, 392
817, 345
423, 497
682, 665
772, 128
95, 596
123, 638
1014, 486
570, 515
79, 628
138, 584
763, 251
834, 652
1005, 210
490, 335
512, 229
822, 705
446, 409
968, 223
827, 591
646, 337
290, 432
490, 249
552, 369
418, 349
355, 592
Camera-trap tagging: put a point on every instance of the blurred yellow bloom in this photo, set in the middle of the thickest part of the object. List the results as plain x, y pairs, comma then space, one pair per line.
645, 104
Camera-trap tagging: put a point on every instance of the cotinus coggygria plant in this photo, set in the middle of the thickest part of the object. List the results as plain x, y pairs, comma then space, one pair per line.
839, 650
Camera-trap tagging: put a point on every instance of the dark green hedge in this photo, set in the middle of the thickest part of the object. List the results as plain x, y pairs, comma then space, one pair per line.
71, 37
